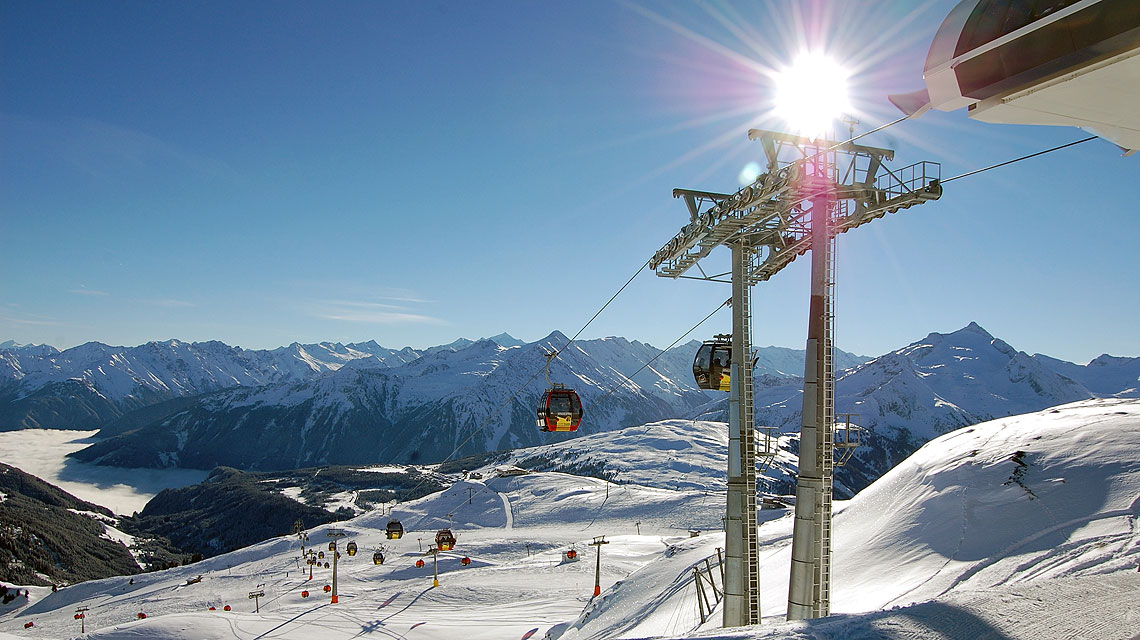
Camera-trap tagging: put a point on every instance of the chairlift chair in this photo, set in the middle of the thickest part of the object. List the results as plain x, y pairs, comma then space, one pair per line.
846, 439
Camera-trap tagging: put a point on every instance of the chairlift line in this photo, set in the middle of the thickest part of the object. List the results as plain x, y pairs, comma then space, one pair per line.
663, 351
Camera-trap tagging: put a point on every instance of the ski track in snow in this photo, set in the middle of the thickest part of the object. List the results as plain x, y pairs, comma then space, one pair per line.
507, 508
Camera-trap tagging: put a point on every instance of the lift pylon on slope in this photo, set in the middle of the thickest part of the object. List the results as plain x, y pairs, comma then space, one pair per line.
811, 191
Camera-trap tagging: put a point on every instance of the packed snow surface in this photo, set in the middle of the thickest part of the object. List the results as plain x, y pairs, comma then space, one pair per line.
1020, 528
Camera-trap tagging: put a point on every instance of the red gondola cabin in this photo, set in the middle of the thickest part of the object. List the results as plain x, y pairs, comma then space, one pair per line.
559, 410
445, 540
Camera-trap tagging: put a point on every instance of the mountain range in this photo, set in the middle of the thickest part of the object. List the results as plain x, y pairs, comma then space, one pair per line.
203, 405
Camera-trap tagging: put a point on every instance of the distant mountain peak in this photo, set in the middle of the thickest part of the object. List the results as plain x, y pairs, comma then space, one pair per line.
507, 340
556, 337
974, 327
44, 350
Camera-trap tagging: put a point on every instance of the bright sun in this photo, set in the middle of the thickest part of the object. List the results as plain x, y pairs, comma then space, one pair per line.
811, 94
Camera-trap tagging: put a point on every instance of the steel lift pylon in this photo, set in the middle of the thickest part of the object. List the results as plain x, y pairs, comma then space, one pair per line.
811, 191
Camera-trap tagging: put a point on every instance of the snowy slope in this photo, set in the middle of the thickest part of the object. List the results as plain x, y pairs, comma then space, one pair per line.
670, 454
965, 515
1041, 549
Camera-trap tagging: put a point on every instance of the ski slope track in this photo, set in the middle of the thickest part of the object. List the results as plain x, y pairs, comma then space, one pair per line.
1018, 528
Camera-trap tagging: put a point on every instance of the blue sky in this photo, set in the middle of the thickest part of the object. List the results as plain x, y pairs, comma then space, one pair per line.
413, 172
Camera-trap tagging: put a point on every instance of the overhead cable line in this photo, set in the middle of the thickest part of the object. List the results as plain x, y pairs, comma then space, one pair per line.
554, 357
630, 377
1032, 155
524, 385
853, 139
674, 343
638, 272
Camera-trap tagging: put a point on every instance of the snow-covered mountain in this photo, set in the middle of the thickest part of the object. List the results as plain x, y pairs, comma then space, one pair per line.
1106, 376
930, 387
88, 385
422, 411
93, 384
40, 350
460, 399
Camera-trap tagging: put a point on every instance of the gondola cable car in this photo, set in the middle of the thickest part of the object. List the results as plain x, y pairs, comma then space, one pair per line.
712, 365
378, 557
560, 408
394, 530
445, 540
351, 548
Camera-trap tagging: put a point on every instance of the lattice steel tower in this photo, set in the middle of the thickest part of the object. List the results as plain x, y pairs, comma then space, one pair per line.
812, 191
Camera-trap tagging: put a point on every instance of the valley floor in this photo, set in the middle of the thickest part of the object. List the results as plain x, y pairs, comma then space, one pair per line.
43, 453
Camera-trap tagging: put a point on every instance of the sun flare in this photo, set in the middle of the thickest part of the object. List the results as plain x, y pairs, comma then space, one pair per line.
811, 93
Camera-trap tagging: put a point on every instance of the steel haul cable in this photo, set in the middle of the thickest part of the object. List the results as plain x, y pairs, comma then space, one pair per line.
524, 385
1032, 155
630, 378
671, 345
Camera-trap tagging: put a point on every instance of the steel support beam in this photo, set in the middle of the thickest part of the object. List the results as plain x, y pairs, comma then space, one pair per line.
736, 612
809, 581
767, 225
742, 594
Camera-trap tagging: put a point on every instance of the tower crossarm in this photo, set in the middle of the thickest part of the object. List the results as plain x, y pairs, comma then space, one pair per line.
779, 249
769, 212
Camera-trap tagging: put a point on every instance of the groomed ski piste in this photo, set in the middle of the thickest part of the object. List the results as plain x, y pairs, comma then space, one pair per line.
1024, 527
